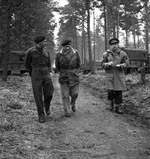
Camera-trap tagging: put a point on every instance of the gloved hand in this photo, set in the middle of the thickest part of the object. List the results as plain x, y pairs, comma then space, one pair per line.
120, 66
111, 64
117, 66
108, 65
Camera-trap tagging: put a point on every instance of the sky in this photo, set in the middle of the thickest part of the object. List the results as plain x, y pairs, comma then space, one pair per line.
62, 2
57, 16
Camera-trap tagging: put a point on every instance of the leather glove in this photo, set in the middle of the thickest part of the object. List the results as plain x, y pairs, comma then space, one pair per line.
111, 64
108, 65
120, 66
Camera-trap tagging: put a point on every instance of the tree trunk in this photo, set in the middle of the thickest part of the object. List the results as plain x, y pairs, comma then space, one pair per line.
126, 30
146, 26
85, 49
75, 32
127, 43
113, 20
118, 19
138, 41
7, 51
134, 38
94, 39
73, 23
82, 45
108, 21
105, 23
133, 31
89, 36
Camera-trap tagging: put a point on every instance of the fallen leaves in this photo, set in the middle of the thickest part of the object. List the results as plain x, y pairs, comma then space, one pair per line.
136, 99
22, 137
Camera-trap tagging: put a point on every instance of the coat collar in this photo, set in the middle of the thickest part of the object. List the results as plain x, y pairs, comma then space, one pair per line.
73, 50
117, 51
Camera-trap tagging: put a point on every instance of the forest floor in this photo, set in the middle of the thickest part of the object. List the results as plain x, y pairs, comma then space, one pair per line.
92, 132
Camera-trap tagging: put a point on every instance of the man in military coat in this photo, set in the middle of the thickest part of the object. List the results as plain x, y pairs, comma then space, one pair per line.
38, 64
114, 62
67, 64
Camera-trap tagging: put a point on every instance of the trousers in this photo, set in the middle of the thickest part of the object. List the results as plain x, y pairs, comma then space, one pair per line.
43, 92
115, 96
69, 95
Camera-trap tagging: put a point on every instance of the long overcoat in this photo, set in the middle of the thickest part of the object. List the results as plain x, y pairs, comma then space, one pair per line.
68, 68
114, 76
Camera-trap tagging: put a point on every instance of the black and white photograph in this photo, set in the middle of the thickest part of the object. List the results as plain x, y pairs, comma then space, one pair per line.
74, 79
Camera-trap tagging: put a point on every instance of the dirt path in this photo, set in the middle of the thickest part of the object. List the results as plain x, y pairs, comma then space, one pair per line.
91, 133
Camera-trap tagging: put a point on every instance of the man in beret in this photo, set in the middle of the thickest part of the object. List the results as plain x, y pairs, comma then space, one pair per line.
67, 63
38, 63
114, 62
66, 42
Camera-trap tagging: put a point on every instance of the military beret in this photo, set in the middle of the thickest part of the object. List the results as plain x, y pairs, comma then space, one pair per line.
39, 39
113, 41
66, 42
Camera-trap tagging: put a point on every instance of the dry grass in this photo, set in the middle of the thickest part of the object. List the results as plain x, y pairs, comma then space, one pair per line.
136, 98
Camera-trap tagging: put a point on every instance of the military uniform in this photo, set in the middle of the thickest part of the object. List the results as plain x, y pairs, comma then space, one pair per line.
68, 63
39, 66
114, 64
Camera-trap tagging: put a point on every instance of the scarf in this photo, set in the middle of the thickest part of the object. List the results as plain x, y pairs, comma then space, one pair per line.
68, 53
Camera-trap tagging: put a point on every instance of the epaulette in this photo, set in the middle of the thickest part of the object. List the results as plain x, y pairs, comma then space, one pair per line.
31, 49
76, 50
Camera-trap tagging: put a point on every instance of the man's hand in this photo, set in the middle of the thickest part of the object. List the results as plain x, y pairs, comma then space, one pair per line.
111, 64
120, 66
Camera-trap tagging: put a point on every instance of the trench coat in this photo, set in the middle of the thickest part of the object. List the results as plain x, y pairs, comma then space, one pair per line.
115, 76
68, 68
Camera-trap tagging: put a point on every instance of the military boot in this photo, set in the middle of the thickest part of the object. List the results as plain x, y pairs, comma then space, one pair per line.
42, 119
119, 109
73, 107
67, 114
47, 108
111, 104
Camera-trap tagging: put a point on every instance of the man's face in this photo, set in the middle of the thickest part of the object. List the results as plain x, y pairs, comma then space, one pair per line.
42, 44
66, 47
114, 46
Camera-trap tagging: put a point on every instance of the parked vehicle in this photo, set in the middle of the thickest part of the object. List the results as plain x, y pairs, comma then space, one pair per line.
16, 62
139, 58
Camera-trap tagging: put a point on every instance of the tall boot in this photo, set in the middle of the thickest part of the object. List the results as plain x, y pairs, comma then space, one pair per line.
111, 104
119, 109
73, 99
47, 101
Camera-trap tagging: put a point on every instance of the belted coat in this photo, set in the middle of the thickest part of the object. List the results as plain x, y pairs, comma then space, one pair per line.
68, 66
115, 76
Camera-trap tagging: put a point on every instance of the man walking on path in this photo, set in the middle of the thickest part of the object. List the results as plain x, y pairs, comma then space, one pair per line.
67, 63
38, 64
114, 62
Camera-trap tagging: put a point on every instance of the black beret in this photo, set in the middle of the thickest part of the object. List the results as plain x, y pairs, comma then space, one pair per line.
66, 42
39, 39
113, 41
